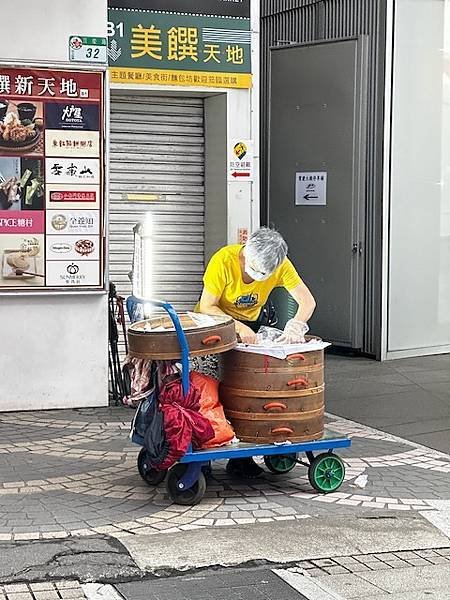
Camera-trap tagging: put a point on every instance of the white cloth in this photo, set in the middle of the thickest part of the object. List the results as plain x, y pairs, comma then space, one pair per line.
283, 351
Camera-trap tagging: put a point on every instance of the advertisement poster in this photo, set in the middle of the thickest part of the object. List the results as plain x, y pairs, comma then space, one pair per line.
51, 179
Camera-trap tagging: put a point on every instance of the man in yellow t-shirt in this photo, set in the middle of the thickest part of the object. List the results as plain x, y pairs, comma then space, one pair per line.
238, 281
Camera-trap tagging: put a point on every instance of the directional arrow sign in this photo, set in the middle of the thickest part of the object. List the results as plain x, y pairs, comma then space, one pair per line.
240, 174
311, 188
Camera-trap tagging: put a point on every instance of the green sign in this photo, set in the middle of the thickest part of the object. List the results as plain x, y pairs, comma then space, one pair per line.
179, 48
88, 49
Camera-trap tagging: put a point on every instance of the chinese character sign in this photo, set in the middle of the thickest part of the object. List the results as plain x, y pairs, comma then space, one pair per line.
51, 179
179, 49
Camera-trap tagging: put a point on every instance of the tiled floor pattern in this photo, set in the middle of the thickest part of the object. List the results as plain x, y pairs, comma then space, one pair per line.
50, 455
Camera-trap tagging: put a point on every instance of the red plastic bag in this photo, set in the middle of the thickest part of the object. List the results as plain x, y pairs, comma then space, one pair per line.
211, 408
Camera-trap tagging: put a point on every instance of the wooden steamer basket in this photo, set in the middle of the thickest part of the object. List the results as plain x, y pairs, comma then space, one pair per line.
164, 345
268, 399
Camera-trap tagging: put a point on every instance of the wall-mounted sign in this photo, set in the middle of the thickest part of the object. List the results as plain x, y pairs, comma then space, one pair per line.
240, 160
51, 179
172, 44
88, 49
311, 188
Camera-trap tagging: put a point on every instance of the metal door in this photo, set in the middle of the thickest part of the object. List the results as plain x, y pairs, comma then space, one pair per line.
157, 165
317, 128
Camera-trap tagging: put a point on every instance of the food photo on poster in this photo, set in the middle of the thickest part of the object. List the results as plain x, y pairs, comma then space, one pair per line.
21, 184
22, 262
21, 127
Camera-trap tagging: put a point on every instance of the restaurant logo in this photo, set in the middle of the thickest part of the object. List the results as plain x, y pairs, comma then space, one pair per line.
73, 269
72, 115
73, 196
60, 248
59, 222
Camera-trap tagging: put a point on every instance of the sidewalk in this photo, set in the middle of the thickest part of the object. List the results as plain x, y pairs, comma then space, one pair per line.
73, 508
409, 397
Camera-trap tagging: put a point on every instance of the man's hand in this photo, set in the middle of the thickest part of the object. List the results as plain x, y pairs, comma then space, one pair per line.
294, 332
244, 332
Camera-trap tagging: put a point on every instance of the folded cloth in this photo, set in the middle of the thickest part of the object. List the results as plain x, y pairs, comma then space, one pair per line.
183, 423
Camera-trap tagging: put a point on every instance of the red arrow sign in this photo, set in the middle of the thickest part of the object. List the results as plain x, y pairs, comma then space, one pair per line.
241, 174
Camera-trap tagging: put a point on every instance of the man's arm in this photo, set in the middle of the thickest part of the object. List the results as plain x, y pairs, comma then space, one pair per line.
209, 305
305, 300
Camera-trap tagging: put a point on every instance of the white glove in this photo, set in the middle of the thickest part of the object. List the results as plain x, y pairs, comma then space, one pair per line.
294, 332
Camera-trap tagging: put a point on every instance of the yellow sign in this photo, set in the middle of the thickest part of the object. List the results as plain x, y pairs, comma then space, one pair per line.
186, 78
143, 197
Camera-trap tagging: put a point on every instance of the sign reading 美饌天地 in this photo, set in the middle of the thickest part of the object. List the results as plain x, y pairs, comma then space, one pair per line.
167, 43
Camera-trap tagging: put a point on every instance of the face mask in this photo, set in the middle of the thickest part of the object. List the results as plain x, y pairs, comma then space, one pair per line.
249, 264
256, 275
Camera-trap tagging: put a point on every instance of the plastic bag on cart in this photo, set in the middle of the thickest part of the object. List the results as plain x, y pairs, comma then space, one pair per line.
211, 408
148, 423
140, 375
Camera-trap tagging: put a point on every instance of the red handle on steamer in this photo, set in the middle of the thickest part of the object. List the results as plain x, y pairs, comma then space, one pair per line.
282, 430
274, 406
296, 356
299, 381
212, 339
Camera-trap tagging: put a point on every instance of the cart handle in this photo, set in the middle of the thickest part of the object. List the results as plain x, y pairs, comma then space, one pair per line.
297, 356
182, 340
275, 406
299, 381
212, 339
282, 430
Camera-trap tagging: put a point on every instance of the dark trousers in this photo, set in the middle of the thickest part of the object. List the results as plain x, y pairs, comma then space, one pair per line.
267, 318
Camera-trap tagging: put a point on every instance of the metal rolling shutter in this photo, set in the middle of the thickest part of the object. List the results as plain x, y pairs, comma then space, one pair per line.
157, 147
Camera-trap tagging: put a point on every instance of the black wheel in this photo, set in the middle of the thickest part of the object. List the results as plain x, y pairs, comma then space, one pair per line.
326, 472
149, 475
280, 463
187, 497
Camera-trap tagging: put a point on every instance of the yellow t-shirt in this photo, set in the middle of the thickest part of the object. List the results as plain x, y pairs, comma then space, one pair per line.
243, 301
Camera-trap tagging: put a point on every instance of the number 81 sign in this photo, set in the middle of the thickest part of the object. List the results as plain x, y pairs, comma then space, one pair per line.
88, 49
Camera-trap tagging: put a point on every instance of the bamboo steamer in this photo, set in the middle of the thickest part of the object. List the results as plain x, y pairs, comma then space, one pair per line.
144, 342
268, 399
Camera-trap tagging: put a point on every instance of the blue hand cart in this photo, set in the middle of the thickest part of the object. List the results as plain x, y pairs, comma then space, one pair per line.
186, 481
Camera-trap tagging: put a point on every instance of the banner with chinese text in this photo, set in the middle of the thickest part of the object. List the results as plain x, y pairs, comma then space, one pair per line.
181, 49
51, 179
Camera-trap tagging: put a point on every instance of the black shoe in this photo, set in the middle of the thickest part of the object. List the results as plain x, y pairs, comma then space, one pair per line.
244, 467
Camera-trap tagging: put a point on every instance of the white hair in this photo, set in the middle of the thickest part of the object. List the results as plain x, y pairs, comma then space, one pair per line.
267, 249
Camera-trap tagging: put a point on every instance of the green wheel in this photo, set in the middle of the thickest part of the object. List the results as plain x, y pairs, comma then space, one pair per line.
326, 473
280, 463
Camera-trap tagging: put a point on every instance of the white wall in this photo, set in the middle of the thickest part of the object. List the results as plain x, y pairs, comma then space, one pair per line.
53, 349
244, 122
39, 30
53, 352
419, 236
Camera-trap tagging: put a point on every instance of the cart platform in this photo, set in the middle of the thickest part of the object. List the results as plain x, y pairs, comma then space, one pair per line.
186, 480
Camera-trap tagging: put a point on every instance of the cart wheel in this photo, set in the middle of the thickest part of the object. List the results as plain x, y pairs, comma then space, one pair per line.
190, 496
326, 472
149, 475
280, 463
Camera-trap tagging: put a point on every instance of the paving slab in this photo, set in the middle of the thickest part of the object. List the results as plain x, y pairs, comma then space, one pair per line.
411, 579
281, 542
